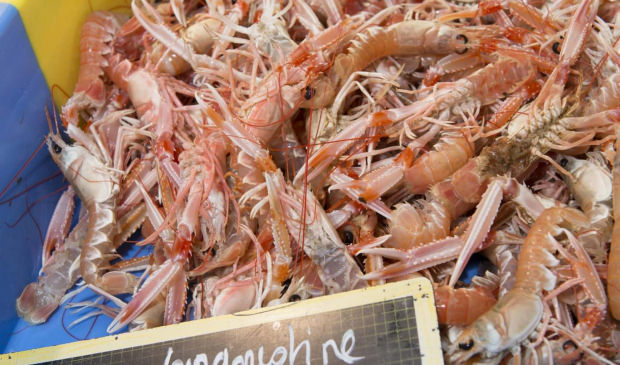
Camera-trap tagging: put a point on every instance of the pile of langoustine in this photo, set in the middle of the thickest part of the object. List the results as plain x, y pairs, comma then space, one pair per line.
275, 151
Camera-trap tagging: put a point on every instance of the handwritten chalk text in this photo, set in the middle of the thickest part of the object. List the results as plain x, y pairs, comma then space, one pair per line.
280, 355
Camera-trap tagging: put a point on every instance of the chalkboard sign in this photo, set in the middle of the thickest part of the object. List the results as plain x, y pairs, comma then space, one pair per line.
389, 324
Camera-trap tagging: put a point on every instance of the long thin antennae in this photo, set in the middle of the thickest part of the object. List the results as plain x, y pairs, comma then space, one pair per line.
29, 206
59, 88
36, 224
10, 199
56, 118
49, 120
21, 169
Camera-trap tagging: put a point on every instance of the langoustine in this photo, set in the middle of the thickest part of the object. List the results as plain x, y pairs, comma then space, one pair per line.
98, 191
90, 92
504, 326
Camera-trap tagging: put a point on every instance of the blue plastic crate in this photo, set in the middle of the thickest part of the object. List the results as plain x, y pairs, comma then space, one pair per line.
25, 207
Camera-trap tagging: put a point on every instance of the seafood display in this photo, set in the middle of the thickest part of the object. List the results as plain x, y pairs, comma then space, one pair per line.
273, 151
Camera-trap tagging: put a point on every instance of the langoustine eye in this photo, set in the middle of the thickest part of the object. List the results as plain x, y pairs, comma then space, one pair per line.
347, 234
309, 93
348, 237
57, 149
466, 346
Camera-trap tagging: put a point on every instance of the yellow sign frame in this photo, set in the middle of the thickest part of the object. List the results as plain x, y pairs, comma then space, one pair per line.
420, 288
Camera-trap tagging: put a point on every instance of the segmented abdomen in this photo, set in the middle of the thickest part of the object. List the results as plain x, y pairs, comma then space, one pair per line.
414, 226
462, 306
536, 257
448, 155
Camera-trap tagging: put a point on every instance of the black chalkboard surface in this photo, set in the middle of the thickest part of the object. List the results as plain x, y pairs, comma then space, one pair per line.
390, 324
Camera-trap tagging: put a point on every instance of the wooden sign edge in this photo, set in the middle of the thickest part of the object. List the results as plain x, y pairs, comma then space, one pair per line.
420, 288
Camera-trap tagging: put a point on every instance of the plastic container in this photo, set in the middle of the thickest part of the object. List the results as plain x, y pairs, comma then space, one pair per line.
39, 50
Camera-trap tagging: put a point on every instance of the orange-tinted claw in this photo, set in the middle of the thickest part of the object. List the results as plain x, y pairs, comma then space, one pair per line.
578, 30
516, 34
484, 8
431, 78
151, 289
531, 15
416, 259
512, 104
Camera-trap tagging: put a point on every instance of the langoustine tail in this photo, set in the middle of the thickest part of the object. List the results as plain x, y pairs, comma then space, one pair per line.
41, 298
